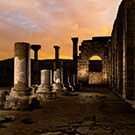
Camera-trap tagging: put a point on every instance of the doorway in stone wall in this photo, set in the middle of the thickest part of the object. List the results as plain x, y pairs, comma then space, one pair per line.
95, 70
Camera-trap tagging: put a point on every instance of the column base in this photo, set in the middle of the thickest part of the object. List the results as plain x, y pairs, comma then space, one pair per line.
58, 89
17, 102
20, 100
21, 91
45, 92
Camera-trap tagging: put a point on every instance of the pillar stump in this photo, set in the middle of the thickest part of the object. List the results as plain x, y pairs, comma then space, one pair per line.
57, 86
45, 88
19, 95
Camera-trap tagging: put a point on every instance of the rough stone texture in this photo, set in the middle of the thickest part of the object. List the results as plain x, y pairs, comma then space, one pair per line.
57, 86
36, 77
17, 102
97, 46
22, 65
122, 52
95, 78
45, 88
117, 53
19, 95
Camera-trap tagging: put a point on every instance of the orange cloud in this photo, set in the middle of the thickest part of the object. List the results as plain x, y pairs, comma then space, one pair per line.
54, 22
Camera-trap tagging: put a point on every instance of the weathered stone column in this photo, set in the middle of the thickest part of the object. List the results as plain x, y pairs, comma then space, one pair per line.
35, 48
56, 57
62, 75
36, 76
56, 76
19, 96
45, 88
68, 84
59, 75
57, 86
75, 53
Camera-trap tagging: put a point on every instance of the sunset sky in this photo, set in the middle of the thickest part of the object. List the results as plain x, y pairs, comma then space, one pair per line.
53, 22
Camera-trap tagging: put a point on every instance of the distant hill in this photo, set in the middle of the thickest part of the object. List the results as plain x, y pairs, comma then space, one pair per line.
7, 69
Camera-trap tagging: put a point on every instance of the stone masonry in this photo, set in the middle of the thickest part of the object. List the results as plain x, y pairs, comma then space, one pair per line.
97, 46
117, 53
19, 95
122, 52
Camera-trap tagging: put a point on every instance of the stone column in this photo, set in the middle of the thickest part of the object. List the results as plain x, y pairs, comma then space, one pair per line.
51, 80
74, 79
45, 88
62, 81
19, 96
35, 48
68, 79
68, 84
56, 57
36, 73
57, 86
56, 76
75, 53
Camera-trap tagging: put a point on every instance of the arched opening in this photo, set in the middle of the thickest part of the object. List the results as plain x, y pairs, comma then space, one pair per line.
95, 64
95, 70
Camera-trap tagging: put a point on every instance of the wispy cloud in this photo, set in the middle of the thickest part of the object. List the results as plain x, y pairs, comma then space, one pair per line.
50, 22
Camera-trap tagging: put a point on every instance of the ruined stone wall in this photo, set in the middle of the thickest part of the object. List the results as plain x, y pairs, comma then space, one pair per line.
97, 46
122, 52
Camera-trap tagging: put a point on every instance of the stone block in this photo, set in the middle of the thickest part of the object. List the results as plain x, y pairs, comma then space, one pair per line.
17, 103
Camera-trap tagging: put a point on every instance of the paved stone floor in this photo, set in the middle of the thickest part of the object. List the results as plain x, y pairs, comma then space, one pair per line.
94, 111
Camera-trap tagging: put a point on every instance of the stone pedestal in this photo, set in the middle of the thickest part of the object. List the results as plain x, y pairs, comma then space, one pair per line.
19, 96
57, 85
45, 88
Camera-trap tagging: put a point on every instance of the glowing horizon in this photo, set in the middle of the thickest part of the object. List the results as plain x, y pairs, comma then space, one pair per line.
50, 23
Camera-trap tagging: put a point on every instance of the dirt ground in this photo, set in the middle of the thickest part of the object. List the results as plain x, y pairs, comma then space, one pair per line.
93, 111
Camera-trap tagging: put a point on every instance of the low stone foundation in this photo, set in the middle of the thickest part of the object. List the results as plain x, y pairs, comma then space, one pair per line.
45, 92
17, 102
23, 102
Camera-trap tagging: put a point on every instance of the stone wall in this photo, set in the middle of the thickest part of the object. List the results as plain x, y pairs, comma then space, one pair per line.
97, 46
122, 52
95, 78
